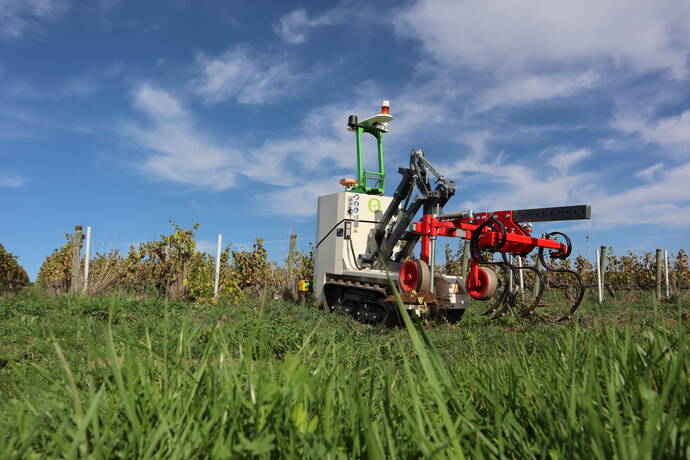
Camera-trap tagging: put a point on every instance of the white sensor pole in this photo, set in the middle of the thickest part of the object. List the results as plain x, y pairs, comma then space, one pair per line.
220, 243
522, 278
599, 276
668, 288
87, 256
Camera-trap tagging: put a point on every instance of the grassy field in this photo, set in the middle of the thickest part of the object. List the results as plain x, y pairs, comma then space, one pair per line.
117, 377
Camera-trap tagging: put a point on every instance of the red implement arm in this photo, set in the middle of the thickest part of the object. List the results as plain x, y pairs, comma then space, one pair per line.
518, 239
512, 238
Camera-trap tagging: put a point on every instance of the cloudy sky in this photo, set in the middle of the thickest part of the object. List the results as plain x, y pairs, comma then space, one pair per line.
124, 114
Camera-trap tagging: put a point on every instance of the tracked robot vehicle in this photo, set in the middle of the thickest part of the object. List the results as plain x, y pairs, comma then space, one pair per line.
363, 237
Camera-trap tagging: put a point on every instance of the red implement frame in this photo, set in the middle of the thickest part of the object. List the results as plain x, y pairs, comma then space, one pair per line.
518, 239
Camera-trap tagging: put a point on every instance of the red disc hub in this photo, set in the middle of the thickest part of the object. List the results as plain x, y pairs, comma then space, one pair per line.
409, 276
481, 285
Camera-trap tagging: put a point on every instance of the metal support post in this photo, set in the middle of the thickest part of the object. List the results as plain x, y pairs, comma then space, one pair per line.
362, 181
217, 281
602, 266
658, 274
599, 276
380, 184
432, 256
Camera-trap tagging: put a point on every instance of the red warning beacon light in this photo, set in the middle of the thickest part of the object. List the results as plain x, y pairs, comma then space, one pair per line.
386, 107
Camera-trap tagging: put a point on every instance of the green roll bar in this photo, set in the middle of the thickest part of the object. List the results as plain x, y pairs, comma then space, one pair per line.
376, 178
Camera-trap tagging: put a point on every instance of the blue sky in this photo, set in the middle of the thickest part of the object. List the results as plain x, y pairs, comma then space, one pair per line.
123, 115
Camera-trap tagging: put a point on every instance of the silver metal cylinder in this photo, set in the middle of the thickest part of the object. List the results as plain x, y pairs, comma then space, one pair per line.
432, 256
432, 263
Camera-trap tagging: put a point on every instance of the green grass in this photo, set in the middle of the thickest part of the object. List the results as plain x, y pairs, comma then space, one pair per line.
119, 377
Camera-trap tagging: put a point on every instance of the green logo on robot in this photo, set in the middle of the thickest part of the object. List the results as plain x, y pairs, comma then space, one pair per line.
374, 205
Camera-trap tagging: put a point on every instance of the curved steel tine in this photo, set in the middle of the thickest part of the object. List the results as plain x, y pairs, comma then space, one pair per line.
538, 277
505, 297
578, 299
580, 284
513, 286
502, 296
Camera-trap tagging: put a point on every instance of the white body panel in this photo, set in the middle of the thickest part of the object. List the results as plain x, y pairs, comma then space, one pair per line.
337, 214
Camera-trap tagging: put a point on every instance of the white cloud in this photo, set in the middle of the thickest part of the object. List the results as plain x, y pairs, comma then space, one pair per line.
17, 17
295, 166
672, 132
563, 160
669, 130
298, 200
507, 184
248, 78
531, 88
531, 34
179, 152
157, 103
10, 181
293, 26
500, 182
661, 201
650, 172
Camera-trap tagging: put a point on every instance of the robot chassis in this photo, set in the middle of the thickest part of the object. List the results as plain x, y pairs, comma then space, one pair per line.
355, 282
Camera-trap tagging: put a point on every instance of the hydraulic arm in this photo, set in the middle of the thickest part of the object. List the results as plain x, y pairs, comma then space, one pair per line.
402, 210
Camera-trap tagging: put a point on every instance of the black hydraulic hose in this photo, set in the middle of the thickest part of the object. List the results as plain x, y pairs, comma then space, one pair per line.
336, 226
354, 257
475, 251
402, 192
329, 232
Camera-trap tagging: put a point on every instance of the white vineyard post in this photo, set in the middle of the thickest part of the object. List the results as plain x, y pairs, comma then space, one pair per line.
522, 278
220, 242
668, 288
598, 275
87, 256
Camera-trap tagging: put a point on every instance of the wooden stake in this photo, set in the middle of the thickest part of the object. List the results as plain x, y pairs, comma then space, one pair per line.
75, 285
668, 288
87, 256
465, 258
536, 286
290, 259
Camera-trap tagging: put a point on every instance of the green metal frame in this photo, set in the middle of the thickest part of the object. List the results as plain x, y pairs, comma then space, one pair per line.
378, 178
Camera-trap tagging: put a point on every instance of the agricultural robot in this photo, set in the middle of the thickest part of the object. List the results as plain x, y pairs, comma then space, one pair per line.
363, 237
